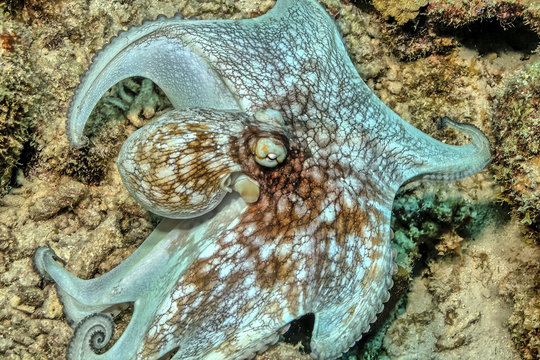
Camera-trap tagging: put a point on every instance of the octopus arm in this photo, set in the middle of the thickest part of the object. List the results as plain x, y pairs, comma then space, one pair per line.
147, 51
121, 285
168, 52
343, 314
428, 159
166, 253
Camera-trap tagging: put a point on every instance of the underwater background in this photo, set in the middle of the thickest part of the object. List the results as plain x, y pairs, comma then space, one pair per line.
468, 252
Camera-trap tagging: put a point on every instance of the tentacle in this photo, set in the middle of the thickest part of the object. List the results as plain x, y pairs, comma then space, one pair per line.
43, 258
339, 326
163, 51
408, 154
91, 336
478, 156
186, 78
441, 162
138, 272
84, 297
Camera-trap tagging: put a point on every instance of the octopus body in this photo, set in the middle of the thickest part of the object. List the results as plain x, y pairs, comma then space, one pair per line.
275, 175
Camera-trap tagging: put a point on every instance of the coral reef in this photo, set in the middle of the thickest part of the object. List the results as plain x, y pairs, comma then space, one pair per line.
516, 126
17, 104
138, 96
456, 14
129, 99
460, 13
422, 218
401, 10
11, 6
520, 288
441, 26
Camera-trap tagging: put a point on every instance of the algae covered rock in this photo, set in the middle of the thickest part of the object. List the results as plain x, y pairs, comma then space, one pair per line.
462, 12
516, 158
401, 10
17, 97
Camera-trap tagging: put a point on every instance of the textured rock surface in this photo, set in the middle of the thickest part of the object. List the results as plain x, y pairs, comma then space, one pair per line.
453, 310
474, 289
517, 160
401, 10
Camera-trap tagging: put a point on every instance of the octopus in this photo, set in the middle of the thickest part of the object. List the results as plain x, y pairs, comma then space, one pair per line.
275, 175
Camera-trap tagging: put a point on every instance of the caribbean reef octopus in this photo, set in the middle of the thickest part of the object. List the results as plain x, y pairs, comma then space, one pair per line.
275, 175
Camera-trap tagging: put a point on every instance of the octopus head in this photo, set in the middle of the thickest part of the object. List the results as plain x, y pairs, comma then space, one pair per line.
182, 164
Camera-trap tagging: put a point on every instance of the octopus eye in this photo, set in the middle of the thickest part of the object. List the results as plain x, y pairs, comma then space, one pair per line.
269, 152
269, 149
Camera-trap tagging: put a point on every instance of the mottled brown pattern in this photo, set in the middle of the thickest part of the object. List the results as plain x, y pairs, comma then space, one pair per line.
183, 164
200, 177
271, 225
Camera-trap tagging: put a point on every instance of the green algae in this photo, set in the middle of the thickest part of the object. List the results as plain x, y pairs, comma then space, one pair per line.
421, 219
